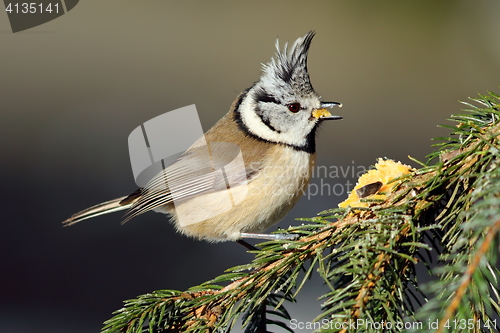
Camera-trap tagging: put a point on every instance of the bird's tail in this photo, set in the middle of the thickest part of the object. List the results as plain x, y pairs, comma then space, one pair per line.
107, 207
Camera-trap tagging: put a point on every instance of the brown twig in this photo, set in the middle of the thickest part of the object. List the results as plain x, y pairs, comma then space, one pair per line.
466, 279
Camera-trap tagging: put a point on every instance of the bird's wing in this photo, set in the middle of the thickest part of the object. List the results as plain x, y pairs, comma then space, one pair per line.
200, 170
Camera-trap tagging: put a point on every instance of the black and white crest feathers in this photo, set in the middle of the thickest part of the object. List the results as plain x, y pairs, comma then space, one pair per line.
290, 66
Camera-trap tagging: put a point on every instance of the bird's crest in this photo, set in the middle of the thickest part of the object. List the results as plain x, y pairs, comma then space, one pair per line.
289, 67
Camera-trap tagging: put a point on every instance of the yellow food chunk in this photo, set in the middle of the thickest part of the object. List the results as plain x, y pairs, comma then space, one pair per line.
385, 171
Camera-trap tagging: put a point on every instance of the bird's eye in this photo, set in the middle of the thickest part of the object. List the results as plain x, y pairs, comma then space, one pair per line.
294, 107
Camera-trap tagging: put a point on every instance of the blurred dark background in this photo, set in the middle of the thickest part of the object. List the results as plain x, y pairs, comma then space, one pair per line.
73, 89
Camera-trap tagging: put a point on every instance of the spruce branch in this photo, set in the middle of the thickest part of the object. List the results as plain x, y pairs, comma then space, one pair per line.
367, 256
467, 277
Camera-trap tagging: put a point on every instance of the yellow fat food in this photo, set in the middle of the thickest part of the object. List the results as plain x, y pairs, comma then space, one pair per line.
385, 171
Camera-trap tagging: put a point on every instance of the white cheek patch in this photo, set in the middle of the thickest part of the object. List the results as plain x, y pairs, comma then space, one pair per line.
296, 136
265, 111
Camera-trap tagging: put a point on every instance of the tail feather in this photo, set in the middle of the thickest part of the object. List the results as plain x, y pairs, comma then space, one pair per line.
97, 210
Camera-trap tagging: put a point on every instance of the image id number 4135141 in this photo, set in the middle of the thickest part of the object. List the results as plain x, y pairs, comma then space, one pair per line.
31, 8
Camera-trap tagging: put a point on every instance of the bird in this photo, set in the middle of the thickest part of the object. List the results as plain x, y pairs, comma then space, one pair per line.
272, 127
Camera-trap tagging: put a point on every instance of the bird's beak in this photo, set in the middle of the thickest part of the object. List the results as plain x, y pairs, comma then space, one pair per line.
324, 114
